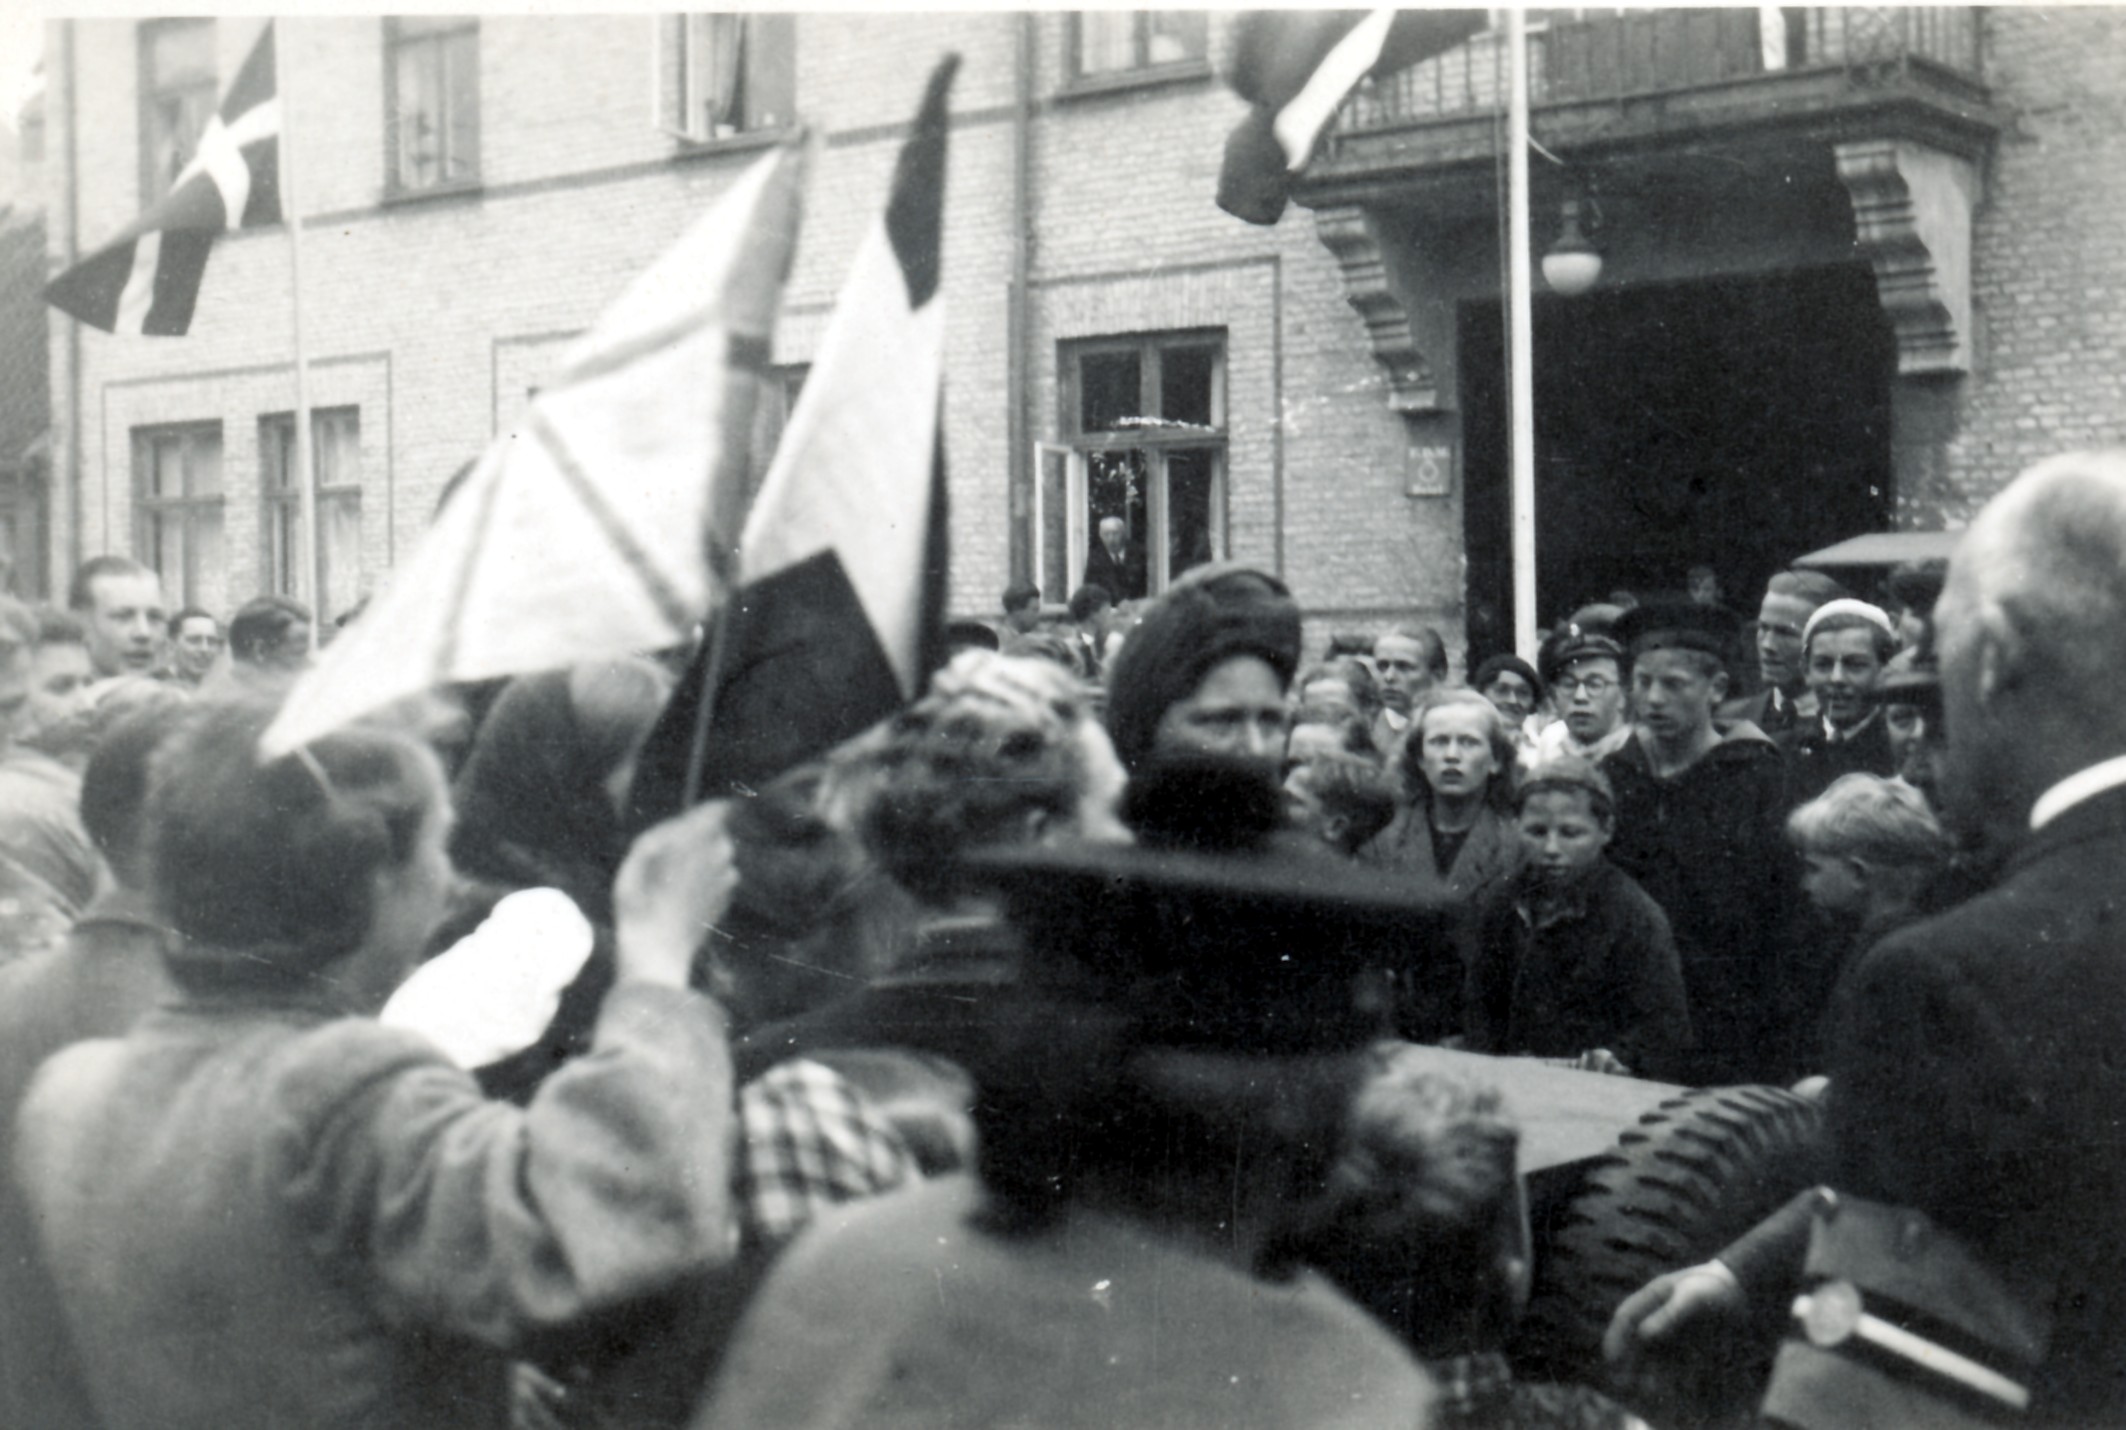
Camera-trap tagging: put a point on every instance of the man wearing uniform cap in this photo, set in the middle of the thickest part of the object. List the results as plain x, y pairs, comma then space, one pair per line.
1699, 813
1585, 672
1846, 646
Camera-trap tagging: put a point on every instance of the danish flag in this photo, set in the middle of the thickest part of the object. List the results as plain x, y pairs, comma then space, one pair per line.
147, 279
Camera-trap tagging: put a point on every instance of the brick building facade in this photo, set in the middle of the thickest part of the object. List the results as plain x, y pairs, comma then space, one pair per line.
1319, 398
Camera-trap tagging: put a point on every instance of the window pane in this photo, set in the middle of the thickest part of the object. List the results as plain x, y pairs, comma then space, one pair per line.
181, 52
1110, 387
162, 546
203, 465
340, 533
1177, 35
718, 48
1107, 41
207, 578
339, 448
1185, 379
1115, 487
461, 101
771, 71
276, 438
284, 540
1191, 528
166, 459
417, 69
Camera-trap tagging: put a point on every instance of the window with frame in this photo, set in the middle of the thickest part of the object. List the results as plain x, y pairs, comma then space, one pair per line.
1105, 42
177, 98
724, 74
336, 457
1144, 425
177, 511
432, 101
779, 388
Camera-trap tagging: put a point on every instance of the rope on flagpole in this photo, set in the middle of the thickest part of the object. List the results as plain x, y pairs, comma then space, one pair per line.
309, 585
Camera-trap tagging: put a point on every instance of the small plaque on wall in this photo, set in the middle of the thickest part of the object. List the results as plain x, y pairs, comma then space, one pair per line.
1428, 471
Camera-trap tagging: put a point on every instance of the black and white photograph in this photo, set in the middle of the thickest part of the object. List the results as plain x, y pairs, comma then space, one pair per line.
984, 719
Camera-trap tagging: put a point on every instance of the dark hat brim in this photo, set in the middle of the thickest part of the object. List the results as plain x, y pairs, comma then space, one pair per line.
1262, 950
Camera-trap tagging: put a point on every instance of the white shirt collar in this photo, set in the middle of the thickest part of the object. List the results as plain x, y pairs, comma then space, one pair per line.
2077, 788
1835, 736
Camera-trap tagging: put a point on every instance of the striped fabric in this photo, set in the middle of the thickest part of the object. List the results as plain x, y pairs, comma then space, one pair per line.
147, 279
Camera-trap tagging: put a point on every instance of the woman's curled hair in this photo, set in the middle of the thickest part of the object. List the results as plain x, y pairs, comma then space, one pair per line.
994, 743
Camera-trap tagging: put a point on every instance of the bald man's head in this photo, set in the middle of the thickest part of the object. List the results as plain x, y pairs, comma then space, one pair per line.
2031, 631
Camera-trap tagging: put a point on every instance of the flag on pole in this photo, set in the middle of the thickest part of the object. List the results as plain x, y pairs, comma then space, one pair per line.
840, 619
604, 521
1295, 68
147, 279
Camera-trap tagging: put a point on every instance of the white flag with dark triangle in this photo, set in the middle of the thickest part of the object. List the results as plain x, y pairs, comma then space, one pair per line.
146, 280
840, 615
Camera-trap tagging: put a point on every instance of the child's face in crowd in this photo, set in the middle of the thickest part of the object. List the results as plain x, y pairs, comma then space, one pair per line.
1561, 834
1455, 751
1834, 884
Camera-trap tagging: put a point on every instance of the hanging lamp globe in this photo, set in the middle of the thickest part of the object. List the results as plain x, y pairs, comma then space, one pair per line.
1572, 265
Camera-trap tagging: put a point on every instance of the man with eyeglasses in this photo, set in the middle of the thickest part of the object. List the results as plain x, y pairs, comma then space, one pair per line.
1585, 676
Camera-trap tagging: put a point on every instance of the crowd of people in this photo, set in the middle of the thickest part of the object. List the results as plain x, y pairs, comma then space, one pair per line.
1052, 1053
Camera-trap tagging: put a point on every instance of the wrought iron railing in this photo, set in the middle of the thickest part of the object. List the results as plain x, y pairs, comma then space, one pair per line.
1575, 56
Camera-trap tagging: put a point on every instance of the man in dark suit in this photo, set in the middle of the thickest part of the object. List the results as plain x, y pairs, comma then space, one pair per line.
1977, 1072
1116, 564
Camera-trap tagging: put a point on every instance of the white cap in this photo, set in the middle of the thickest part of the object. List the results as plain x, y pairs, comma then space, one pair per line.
1847, 606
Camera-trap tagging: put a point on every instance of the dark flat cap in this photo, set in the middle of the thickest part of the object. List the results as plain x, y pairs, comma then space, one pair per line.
1678, 625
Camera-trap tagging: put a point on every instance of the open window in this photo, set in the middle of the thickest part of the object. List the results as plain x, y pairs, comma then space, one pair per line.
720, 75
1135, 493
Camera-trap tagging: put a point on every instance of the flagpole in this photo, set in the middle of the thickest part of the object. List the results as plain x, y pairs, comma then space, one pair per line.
306, 473
1520, 342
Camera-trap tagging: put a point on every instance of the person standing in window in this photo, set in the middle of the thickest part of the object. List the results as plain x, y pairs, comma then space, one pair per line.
1116, 564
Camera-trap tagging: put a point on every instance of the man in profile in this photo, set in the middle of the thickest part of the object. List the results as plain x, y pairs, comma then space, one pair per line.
1116, 564
1790, 598
120, 601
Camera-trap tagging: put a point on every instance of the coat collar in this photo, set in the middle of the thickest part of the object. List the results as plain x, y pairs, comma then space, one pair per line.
2101, 816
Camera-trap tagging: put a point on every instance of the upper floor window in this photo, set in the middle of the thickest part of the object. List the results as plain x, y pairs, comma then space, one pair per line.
177, 511
725, 74
432, 83
1135, 493
176, 99
336, 455
1112, 41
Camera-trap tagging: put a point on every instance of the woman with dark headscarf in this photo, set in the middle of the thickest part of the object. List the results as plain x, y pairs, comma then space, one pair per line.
1206, 669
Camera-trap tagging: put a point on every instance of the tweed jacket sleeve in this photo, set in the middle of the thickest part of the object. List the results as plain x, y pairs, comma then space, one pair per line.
496, 1221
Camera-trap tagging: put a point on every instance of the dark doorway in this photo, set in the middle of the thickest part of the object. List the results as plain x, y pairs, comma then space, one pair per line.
1738, 423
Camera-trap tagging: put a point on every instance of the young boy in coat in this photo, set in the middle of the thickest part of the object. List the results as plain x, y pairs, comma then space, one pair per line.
1699, 811
1572, 959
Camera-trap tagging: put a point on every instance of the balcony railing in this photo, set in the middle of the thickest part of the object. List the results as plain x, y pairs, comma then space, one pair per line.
1648, 51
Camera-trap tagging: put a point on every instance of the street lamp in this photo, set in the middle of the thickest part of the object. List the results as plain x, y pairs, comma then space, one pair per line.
1572, 265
